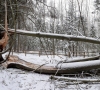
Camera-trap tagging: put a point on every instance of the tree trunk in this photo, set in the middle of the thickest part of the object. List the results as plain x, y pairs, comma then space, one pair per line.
56, 36
1, 58
65, 68
2, 32
82, 59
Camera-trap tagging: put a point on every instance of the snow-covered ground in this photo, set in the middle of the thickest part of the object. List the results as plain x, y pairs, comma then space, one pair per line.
15, 79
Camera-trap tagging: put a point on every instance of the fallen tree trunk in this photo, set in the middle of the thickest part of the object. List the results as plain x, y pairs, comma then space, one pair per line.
57, 36
79, 66
82, 59
15, 62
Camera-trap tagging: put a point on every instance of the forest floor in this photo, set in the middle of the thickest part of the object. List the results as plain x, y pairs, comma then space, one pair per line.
16, 79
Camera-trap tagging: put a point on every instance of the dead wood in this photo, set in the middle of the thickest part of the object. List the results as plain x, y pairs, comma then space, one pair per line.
79, 66
57, 36
2, 41
74, 79
82, 59
15, 62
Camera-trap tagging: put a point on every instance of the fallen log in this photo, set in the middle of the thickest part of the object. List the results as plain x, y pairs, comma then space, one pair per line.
82, 59
56, 36
74, 79
79, 66
15, 62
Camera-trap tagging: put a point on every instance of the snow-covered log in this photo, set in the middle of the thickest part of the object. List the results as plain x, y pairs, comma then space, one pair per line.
69, 68
82, 59
57, 36
79, 66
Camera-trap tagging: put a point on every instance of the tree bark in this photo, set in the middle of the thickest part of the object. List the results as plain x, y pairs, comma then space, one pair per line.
2, 32
15, 62
1, 58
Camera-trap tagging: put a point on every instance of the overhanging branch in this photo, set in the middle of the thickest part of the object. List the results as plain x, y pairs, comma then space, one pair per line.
56, 36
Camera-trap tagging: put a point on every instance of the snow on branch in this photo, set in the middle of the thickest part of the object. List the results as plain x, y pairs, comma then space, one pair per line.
83, 59
79, 66
74, 79
56, 36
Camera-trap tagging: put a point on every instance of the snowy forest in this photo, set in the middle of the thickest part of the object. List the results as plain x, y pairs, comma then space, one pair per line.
49, 44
